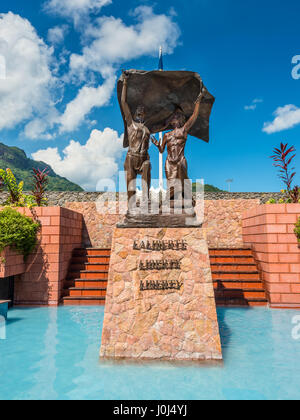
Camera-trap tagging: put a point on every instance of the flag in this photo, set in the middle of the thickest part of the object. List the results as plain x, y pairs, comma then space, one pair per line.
161, 92
161, 62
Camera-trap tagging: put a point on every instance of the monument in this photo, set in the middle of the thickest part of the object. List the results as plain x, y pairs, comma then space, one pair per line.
160, 298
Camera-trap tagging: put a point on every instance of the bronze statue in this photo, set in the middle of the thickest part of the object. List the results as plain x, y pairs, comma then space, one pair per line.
137, 161
153, 102
176, 163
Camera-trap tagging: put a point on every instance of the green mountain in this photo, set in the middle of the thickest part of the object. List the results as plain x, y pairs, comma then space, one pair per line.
207, 188
21, 166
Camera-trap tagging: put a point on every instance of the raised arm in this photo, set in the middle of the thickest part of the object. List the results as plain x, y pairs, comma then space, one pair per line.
189, 124
124, 103
161, 147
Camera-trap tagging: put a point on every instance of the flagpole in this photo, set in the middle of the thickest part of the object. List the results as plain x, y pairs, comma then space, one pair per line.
161, 174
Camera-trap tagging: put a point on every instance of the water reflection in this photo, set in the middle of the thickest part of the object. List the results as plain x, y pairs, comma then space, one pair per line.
46, 369
2, 328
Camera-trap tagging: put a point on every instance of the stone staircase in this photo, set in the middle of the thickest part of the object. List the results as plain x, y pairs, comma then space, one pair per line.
236, 278
87, 278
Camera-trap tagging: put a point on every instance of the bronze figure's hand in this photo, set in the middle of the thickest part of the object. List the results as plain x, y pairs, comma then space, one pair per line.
126, 75
201, 95
199, 99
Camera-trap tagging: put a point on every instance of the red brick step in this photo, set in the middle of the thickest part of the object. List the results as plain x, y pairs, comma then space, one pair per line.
233, 267
87, 292
237, 281
84, 301
87, 277
230, 252
81, 283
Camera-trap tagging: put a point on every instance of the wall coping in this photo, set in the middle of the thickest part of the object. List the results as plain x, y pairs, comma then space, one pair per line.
59, 198
290, 208
42, 211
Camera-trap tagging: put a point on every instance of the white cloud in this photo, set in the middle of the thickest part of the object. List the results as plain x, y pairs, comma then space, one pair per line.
57, 34
75, 9
286, 117
250, 107
39, 128
253, 105
86, 164
36, 128
36, 79
111, 42
87, 99
27, 89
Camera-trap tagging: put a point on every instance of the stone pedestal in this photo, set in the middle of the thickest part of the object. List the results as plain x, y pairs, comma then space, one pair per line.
160, 298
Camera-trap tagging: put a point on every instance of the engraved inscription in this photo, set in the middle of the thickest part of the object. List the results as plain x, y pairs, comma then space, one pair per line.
160, 285
160, 245
151, 265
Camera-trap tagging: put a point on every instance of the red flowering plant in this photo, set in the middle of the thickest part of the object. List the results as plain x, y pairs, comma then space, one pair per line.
39, 187
283, 159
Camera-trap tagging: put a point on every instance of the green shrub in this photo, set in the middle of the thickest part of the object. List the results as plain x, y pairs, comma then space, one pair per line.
297, 230
18, 232
16, 196
287, 198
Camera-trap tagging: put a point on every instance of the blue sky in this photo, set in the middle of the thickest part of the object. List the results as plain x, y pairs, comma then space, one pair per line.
52, 97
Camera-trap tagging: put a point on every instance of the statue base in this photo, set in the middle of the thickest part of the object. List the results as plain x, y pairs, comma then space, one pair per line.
140, 220
160, 303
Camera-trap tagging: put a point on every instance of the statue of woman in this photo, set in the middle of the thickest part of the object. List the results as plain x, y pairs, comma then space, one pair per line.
176, 163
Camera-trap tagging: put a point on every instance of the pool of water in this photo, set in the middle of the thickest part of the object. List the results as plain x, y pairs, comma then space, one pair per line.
53, 353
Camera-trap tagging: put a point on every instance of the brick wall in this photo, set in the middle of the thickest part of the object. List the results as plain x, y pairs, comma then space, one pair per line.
269, 229
46, 269
11, 263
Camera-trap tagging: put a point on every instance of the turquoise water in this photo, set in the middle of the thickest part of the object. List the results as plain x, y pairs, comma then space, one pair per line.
49, 353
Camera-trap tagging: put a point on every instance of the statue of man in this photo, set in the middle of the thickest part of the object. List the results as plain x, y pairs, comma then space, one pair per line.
175, 141
137, 161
